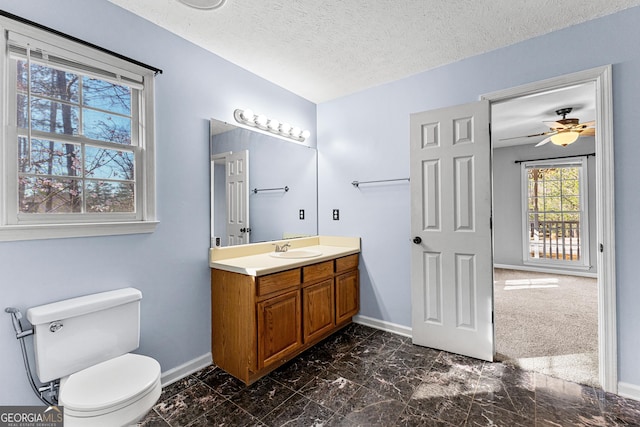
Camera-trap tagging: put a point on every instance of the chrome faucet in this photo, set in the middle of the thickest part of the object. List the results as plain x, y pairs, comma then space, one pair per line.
283, 248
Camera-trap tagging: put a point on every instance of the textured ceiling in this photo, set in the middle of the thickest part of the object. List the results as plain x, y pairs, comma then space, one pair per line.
322, 50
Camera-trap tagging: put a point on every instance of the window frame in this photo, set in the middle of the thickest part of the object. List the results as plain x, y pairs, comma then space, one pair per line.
577, 161
43, 226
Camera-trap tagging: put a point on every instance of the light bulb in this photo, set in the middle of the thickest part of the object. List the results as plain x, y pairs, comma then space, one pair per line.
565, 138
285, 128
247, 115
273, 125
305, 134
261, 120
295, 132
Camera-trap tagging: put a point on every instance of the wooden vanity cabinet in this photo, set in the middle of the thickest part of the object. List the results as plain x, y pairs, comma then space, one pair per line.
259, 323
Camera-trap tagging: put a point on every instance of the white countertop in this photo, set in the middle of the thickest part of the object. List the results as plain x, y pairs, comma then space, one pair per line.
254, 259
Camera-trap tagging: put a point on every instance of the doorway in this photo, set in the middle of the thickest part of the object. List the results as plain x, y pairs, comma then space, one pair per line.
603, 256
544, 216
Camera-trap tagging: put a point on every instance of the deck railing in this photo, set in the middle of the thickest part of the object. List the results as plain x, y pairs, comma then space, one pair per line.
555, 240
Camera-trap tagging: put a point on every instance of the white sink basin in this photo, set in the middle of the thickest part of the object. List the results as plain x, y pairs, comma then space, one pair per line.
296, 253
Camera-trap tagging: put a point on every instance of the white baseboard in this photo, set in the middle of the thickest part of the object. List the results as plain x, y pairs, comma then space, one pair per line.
179, 372
631, 391
383, 325
546, 270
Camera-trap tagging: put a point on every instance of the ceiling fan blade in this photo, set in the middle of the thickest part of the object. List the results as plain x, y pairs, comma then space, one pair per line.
588, 132
544, 141
526, 136
588, 124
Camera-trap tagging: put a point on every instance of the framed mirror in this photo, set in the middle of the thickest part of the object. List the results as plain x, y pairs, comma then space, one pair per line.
263, 187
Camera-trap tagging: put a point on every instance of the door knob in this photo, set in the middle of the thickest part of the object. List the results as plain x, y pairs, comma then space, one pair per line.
417, 240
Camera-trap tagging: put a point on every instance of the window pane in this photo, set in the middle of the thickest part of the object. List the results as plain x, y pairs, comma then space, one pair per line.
571, 203
48, 82
571, 187
105, 196
535, 204
552, 188
106, 96
552, 204
52, 83
104, 163
49, 195
22, 76
106, 127
49, 157
571, 173
54, 117
21, 111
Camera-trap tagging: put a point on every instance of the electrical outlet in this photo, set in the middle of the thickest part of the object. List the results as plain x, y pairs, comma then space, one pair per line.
336, 214
301, 214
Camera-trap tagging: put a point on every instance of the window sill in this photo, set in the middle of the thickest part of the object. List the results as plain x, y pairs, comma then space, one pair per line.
557, 266
10, 233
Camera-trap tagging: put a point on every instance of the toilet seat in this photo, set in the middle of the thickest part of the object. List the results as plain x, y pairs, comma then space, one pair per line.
109, 386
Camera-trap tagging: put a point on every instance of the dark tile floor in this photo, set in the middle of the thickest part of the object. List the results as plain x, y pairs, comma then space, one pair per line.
366, 377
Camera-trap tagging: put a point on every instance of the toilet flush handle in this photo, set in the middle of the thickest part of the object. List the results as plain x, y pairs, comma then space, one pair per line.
55, 326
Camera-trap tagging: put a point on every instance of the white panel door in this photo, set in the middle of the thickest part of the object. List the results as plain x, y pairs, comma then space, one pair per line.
237, 192
451, 257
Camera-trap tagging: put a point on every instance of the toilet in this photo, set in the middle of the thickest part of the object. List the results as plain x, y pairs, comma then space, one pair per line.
86, 343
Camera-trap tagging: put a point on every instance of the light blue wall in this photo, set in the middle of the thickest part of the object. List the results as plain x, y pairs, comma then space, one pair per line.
366, 136
169, 266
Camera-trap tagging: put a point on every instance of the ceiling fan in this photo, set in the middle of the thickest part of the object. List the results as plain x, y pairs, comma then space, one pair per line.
564, 131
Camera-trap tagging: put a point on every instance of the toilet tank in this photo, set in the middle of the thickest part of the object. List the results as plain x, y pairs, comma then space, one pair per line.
73, 334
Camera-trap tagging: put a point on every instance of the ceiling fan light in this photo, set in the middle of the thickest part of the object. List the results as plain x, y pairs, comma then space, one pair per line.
203, 4
565, 138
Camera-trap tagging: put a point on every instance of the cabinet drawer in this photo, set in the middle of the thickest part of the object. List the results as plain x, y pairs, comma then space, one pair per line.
346, 263
315, 272
278, 281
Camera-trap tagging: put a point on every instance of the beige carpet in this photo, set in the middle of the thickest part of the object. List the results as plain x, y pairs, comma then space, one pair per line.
547, 323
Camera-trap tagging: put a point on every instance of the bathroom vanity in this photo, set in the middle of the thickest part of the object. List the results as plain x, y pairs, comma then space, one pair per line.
267, 307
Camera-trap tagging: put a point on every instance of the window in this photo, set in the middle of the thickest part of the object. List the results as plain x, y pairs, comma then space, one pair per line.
77, 141
555, 221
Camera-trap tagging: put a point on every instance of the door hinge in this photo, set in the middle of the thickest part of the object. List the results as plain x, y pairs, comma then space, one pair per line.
490, 223
601, 247
492, 317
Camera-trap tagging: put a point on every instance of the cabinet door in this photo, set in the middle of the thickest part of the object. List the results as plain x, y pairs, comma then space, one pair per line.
318, 309
279, 330
347, 296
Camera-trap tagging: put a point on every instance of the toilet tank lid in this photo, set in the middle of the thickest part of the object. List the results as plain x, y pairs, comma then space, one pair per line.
81, 305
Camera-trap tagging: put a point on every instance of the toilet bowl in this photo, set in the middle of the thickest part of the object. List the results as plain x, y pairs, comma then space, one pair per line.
86, 343
117, 392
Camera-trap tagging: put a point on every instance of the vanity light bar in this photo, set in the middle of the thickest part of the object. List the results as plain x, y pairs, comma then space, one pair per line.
247, 117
